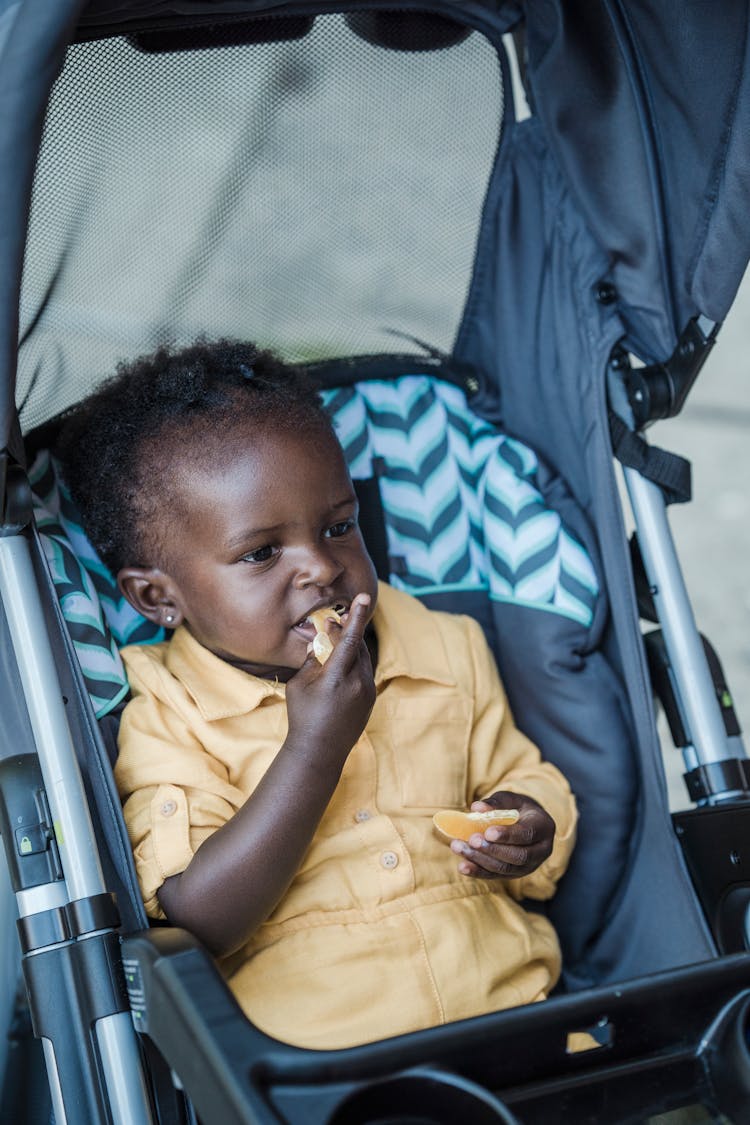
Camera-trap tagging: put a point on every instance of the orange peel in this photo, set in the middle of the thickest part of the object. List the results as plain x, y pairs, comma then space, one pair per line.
452, 824
322, 643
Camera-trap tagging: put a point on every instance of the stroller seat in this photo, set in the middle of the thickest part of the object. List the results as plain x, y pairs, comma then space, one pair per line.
413, 475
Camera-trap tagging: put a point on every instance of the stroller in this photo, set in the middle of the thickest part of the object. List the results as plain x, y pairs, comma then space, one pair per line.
502, 237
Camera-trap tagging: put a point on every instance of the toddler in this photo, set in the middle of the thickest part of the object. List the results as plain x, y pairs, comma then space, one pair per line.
280, 809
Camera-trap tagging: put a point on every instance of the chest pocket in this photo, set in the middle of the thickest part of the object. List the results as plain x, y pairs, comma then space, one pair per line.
430, 739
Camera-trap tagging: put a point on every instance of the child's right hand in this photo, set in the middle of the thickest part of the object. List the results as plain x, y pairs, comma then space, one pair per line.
229, 888
328, 705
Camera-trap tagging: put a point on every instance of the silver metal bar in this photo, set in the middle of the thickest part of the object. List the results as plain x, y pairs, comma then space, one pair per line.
58, 1109
44, 702
45, 896
126, 1087
70, 813
9, 961
692, 678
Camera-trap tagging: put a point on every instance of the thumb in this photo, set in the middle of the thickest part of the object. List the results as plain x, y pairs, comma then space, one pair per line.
348, 648
503, 799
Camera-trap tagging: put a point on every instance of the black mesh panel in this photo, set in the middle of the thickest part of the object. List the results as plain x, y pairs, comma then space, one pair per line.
310, 194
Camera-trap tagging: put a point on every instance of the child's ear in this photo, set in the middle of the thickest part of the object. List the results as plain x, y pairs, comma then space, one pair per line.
151, 593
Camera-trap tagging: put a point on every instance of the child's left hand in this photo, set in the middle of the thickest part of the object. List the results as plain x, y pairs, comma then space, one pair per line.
510, 851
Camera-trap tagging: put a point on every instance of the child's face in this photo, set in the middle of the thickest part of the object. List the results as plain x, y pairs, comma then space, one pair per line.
261, 538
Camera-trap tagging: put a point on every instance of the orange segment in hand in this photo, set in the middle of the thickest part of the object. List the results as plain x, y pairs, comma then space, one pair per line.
456, 825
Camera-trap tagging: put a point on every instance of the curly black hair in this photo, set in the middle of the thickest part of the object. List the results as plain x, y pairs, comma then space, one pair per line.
117, 447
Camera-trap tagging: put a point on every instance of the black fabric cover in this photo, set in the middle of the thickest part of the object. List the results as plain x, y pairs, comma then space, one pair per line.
534, 322
573, 705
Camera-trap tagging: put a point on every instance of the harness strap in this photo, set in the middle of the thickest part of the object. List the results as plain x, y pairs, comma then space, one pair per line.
670, 471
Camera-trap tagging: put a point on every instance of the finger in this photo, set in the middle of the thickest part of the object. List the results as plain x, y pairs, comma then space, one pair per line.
352, 633
505, 851
468, 868
488, 865
498, 860
484, 868
522, 834
504, 799
310, 667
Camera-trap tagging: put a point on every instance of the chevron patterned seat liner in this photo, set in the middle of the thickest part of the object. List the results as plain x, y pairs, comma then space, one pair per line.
99, 619
461, 507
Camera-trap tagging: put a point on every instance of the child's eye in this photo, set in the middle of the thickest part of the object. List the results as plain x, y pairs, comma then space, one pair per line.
340, 529
261, 555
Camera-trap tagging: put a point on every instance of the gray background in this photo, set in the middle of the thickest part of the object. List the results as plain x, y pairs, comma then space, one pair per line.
712, 533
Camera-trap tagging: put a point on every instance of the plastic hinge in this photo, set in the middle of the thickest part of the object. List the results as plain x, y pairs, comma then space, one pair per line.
60, 924
711, 779
660, 390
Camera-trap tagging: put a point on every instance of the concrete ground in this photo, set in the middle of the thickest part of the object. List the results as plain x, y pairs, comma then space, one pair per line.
713, 532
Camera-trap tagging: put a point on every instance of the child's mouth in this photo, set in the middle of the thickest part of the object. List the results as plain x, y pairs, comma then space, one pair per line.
306, 628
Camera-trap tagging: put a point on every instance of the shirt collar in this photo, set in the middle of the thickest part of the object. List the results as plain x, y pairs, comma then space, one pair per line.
409, 644
219, 690
409, 640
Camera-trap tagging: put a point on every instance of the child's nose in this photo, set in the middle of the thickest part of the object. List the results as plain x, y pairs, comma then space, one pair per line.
317, 567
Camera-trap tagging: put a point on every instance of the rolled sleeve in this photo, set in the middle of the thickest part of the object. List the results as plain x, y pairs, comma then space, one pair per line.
159, 828
174, 794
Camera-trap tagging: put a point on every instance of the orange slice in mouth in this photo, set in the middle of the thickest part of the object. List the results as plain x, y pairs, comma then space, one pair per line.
322, 643
453, 824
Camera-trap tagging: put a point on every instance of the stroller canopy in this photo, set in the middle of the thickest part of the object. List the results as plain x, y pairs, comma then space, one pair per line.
645, 105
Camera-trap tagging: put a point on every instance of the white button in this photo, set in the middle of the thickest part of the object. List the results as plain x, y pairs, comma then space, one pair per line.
362, 814
168, 808
389, 859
